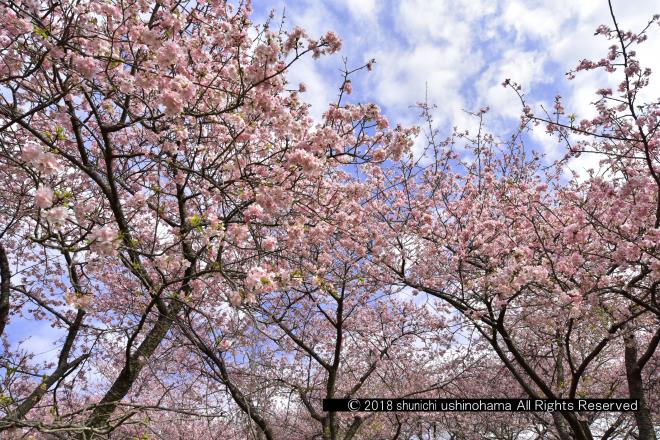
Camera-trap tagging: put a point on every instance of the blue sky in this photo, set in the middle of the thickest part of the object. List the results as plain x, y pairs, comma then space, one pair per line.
463, 50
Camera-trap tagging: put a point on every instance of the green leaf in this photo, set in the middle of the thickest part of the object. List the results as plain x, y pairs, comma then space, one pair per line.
195, 221
43, 33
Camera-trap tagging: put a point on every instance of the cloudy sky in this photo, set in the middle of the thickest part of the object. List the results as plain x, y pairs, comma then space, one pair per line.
462, 50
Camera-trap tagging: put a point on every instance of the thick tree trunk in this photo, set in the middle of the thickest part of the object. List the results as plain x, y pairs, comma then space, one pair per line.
560, 426
636, 390
5, 275
129, 373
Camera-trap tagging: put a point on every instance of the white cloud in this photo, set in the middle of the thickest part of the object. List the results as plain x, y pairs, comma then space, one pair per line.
523, 66
363, 10
463, 50
402, 77
543, 20
320, 90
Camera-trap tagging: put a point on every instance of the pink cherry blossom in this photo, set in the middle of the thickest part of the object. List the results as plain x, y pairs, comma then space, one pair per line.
269, 243
104, 241
44, 197
347, 87
232, 259
31, 152
56, 216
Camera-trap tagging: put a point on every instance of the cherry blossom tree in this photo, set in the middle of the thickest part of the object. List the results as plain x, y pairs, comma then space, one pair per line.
559, 276
215, 262
152, 146
335, 335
